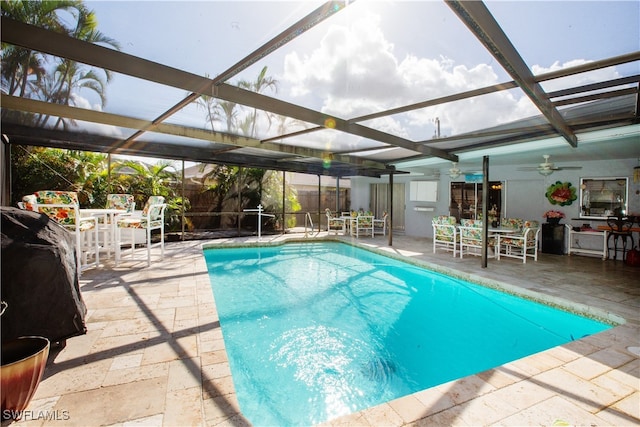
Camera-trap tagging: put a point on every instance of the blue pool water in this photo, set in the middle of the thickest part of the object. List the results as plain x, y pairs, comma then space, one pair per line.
318, 330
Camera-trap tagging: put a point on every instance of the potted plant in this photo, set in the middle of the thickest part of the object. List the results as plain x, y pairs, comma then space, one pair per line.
23, 363
553, 217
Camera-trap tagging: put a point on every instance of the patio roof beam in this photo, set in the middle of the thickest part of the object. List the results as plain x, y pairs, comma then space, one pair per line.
61, 45
309, 21
589, 66
25, 135
595, 96
262, 102
58, 110
595, 86
482, 24
450, 98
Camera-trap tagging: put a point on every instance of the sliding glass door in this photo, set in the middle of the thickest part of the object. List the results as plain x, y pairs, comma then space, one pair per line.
465, 200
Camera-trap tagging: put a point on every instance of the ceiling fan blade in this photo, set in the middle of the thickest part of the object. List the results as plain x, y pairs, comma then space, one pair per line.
569, 167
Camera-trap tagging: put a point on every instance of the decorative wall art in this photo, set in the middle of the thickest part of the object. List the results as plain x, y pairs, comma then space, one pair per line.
561, 193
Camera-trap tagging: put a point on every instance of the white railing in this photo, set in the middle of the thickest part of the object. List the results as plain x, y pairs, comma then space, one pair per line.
307, 221
260, 215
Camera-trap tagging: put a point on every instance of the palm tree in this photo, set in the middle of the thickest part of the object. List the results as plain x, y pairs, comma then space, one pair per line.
72, 76
149, 180
211, 106
230, 114
261, 83
22, 69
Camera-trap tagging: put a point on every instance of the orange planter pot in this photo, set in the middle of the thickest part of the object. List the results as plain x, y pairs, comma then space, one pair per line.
23, 363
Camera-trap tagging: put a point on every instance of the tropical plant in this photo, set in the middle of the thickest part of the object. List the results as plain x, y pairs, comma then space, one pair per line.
272, 198
144, 180
38, 168
158, 179
233, 188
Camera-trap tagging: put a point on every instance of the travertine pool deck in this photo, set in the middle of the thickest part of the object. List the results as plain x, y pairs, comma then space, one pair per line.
154, 354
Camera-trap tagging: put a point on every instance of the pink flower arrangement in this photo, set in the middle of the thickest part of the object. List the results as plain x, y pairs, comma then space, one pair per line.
553, 214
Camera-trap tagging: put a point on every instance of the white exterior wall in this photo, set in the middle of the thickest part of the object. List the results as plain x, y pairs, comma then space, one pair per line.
524, 193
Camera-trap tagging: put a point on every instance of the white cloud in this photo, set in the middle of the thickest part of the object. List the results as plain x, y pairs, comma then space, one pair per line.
354, 71
576, 79
97, 128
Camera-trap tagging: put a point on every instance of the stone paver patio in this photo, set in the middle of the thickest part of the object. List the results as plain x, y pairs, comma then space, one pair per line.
154, 353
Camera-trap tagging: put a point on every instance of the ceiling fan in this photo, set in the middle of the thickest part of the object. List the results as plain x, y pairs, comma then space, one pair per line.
455, 172
547, 167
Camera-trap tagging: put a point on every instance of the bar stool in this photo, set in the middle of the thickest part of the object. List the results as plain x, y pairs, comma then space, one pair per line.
620, 230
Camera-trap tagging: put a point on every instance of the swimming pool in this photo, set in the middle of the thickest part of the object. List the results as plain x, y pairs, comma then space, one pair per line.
318, 330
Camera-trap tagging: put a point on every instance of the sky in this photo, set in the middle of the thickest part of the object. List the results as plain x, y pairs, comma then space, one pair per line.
371, 56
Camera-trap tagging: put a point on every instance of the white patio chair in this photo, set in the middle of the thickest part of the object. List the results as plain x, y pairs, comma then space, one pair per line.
334, 223
521, 245
362, 224
151, 218
63, 207
445, 233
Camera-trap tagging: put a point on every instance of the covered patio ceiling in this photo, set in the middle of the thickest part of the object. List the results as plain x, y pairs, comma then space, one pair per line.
583, 110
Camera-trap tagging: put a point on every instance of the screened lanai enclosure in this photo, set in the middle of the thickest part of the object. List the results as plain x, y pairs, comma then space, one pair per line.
335, 90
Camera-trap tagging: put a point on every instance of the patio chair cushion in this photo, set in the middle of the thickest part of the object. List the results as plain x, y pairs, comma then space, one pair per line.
151, 215
121, 201
30, 202
518, 240
515, 223
447, 232
64, 215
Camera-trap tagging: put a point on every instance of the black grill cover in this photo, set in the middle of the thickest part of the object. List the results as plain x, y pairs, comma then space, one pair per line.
39, 278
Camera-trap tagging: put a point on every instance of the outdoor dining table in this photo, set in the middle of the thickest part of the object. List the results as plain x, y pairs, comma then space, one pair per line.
499, 231
107, 226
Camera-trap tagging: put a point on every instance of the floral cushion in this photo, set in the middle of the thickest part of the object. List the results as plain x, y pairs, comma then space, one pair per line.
138, 223
444, 227
30, 202
121, 201
152, 210
334, 222
518, 239
365, 220
472, 235
63, 215
515, 223
152, 203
